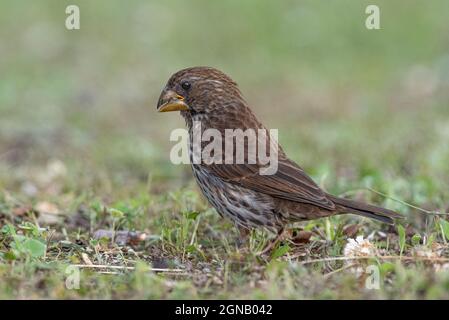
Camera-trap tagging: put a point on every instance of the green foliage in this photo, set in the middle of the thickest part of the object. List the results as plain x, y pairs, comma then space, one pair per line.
280, 251
29, 246
416, 239
401, 233
444, 225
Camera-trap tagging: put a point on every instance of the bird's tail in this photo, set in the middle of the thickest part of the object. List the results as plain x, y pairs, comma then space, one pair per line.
366, 210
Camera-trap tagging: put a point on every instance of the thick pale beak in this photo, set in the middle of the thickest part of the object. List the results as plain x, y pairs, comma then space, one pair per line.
171, 101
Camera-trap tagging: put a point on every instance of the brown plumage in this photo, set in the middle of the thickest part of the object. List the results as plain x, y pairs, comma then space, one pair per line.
238, 191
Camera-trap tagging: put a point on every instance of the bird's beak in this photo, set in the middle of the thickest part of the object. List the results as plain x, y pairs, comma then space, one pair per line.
171, 101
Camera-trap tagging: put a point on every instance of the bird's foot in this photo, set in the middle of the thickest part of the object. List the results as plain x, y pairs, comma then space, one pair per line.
272, 244
242, 240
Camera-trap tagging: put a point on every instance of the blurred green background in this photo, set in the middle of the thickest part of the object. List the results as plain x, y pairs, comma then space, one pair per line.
355, 107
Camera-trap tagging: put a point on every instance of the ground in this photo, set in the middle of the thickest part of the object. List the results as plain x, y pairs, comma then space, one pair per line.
84, 157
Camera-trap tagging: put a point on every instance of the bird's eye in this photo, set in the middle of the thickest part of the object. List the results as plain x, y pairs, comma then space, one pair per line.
185, 85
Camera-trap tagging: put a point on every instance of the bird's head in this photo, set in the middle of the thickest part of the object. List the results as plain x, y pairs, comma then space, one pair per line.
200, 90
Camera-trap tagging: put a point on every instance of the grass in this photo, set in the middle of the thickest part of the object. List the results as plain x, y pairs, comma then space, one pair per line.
82, 149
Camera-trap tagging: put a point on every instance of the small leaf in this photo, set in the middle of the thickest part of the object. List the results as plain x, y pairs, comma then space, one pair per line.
116, 214
10, 255
416, 239
386, 267
35, 247
430, 239
192, 215
280, 251
444, 225
8, 229
97, 206
330, 232
401, 233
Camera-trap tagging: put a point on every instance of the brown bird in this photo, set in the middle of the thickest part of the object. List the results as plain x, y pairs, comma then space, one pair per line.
238, 191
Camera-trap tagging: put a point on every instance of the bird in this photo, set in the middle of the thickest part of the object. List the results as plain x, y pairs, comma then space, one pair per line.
238, 191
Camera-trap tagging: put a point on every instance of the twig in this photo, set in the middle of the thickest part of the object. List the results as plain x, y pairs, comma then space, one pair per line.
120, 273
327, 275
408, 204
108, 272
374, 257
101, 266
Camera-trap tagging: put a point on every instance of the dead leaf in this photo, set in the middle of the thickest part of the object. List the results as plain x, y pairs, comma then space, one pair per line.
46, 207
48, 213
410, 231
351, 230
21, 211
86, 259
303, 236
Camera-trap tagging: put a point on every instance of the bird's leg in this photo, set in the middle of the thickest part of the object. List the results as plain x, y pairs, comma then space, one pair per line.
243, 237
273, 242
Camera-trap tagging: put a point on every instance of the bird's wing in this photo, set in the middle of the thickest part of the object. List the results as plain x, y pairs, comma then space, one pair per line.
290, 182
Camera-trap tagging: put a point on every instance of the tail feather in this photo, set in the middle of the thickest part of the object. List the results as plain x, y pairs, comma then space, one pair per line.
366, 210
